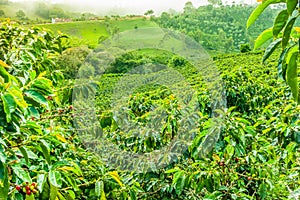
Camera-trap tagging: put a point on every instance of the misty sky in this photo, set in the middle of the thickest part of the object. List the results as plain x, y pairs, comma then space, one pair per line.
135, 6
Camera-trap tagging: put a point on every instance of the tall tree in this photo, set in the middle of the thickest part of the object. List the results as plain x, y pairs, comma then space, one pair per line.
149, 12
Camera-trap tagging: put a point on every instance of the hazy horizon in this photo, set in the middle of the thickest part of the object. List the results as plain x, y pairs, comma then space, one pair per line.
130, 6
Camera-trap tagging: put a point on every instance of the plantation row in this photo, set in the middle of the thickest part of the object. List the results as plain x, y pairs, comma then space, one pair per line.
255, 157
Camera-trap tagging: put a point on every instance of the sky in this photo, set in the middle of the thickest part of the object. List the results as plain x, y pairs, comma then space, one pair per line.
134, 6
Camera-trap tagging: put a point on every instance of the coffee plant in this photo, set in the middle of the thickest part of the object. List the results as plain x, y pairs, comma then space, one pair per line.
42, 156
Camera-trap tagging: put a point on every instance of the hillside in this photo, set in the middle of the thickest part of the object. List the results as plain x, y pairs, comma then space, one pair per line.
89, 32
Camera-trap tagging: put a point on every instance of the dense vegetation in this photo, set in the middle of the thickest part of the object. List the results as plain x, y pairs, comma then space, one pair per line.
256, 156
218, 28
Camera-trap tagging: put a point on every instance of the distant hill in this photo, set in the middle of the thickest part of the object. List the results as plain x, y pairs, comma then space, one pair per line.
90, 32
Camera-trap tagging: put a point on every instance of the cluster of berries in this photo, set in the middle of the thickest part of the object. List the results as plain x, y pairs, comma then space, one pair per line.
27, 188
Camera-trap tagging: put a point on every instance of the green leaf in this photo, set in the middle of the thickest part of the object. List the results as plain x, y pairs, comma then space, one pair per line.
41, 179
71, 194
291, 5
4, 184
60, 196
45, 194
9, 105
259, 9
21, 173
133, 195
229, 151
271, 48
262, 191
263, 37
280, 22
37, 97
45, 150
55, 178
24, 153
99, 187
7, 77
282, 65
53, 192
295, 194
30, 197
2, 155
179, 182
287, 32
292, 75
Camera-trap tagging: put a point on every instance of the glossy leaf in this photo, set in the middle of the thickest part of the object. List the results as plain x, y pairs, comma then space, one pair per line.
53, 192
37, 97
282, 65
259, 9
280, 22
263, 38
55, 178
9, 105
292, 75
4, 184
24, 153
287, 32
271, 48
291, 5
21, 173
46, 151
99, 188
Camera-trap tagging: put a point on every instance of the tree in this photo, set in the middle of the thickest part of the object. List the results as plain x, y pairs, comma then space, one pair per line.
42, 10
57, 12
188, 7
2, 13
20, 14
215, 2
283, 35
149, 12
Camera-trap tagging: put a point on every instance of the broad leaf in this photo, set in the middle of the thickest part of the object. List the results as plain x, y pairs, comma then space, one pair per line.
280, 22
21, 173
99, 187
291, 5
263, 37
282, 65
4, 184
37, 97
271, 48
292, 75
179, 182
259, 9
55, 178
287, 32
45, 150
53, 192
9, 105
24, 153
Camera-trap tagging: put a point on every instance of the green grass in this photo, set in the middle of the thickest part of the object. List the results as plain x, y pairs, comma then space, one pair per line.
125, 25
81, 32
88, 32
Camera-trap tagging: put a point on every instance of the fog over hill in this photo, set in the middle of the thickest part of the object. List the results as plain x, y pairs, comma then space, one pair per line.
122, 7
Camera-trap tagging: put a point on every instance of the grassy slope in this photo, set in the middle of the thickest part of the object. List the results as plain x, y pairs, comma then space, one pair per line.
88, 32
84, 32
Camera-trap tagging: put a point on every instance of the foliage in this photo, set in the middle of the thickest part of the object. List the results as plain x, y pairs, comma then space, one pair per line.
20, 14
2, 13
217, 29
245, 48
71, 60
285, 35
256, 156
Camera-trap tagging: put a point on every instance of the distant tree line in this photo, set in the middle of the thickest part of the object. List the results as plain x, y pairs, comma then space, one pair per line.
217, 27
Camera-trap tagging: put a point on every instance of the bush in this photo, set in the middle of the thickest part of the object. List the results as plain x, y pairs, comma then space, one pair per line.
244, 48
